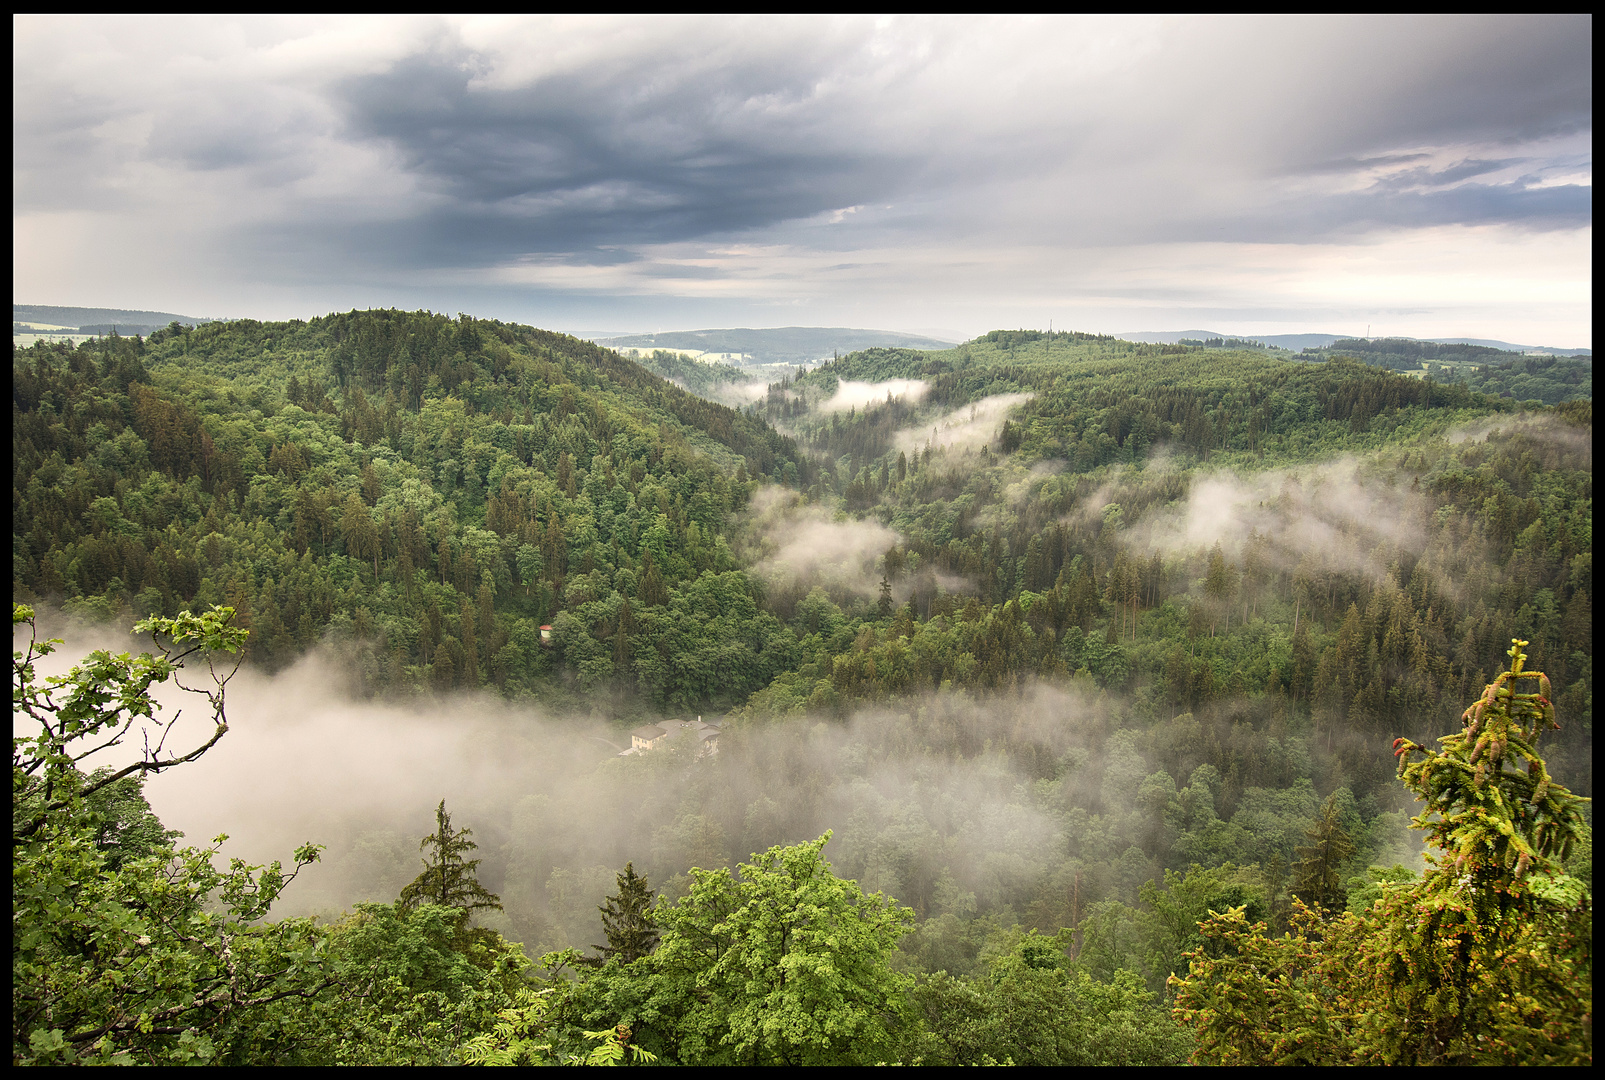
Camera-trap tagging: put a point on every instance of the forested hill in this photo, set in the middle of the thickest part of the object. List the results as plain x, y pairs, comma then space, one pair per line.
1025, 506
1196, 528
436, 488
1099, 400
1546, 379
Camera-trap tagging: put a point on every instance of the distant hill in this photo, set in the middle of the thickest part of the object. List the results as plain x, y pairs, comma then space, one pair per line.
1299, 342
779, 345
1489, 343
100, 320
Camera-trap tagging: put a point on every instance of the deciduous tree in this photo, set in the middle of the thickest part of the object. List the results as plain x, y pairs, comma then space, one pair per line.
125, 949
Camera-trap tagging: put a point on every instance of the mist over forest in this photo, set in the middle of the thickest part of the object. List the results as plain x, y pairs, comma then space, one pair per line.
1074, 647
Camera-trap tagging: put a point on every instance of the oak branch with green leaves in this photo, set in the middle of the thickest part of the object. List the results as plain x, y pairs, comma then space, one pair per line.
100, 702
146, 953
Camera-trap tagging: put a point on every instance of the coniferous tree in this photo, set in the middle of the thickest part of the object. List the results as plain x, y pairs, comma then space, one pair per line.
1218, 587
653, 592
1486, 959
1317, 878
448, 878
632, 931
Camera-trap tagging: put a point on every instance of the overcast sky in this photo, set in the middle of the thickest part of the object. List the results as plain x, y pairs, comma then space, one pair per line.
1423, 176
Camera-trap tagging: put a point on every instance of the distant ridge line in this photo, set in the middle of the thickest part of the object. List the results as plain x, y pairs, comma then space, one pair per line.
783, 344
84, 316
1297, 342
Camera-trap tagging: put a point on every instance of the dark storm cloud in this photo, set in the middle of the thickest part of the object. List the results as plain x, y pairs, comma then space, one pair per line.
1370, 86
636, 152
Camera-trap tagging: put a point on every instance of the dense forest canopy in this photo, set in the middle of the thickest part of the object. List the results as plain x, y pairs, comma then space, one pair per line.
1070, 641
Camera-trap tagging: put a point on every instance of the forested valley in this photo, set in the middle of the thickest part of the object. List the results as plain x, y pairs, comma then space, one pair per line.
1076, 697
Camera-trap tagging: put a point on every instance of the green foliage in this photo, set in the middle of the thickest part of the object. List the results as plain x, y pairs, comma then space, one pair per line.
96, 705
792, 962
615, 1042
627, 920
125, 949
1034, 1007
1547, 380
704, 379
782, 963
426, 493
132, 965
504, 478
1491, 805
1055, 528
417, 987
1253, 999
124, 826
1486, 960
345, 478
1365, 890
1317, 876
1152, 940
511, 1041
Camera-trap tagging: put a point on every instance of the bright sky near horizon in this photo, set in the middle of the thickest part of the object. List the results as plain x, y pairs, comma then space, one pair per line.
1425, 176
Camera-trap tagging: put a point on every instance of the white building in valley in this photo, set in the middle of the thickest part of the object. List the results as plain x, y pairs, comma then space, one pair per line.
651, 736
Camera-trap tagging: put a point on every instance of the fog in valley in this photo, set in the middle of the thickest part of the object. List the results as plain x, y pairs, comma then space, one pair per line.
857, 395
1022, 807
1025, 805
796, 545
968, 427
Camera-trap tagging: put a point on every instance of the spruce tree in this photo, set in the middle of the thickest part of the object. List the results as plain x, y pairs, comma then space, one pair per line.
1487, 959
448, 878
627, 920
1317, 879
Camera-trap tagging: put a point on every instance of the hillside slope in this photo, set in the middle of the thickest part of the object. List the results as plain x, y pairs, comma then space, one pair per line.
432, 489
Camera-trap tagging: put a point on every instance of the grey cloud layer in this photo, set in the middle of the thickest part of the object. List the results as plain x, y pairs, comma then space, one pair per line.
557, 168
386, 149
656, 144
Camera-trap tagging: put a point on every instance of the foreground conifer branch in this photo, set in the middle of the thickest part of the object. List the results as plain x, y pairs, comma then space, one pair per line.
1488, 959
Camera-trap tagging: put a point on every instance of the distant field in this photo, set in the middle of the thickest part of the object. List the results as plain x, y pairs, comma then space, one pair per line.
23, 341
695, 354
34, 331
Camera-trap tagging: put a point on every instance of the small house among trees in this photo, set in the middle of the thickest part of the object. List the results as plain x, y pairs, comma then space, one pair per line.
650, 736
